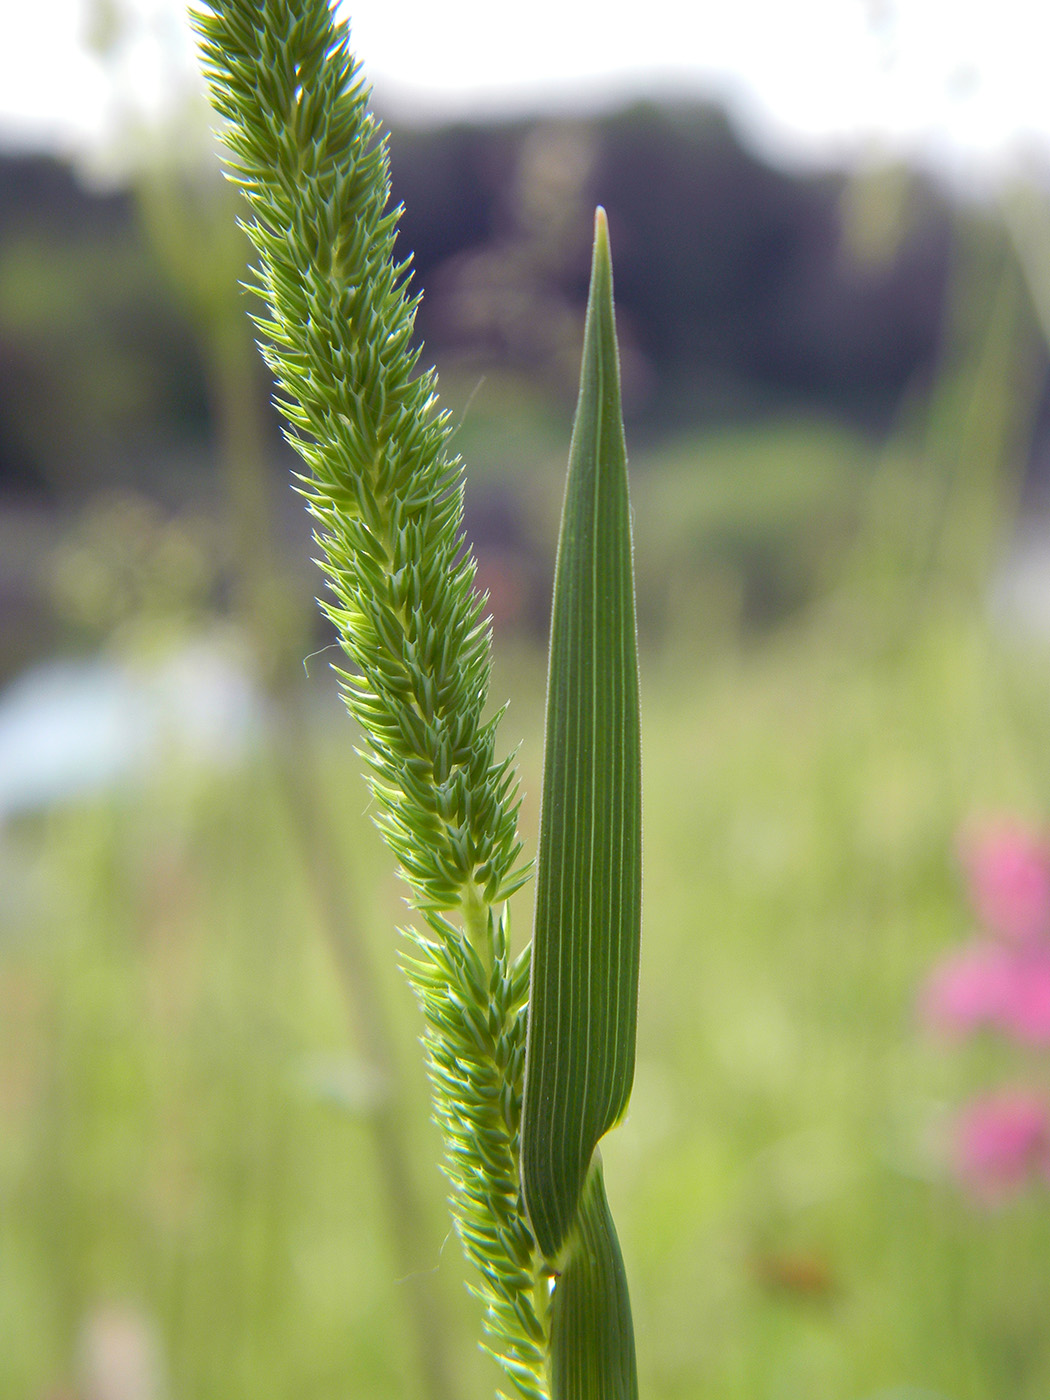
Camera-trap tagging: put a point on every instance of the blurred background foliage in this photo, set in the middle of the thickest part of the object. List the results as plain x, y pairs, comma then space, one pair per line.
216, 1169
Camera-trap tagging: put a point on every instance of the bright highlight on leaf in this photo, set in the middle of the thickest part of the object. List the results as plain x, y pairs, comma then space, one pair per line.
582, 1003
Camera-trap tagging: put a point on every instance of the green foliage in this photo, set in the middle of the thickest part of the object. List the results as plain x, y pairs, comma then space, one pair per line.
167, 1003
583, 998
592, 1336
386, 493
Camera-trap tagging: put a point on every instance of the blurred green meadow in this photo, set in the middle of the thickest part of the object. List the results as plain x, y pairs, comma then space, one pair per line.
190, 1106
217, 1174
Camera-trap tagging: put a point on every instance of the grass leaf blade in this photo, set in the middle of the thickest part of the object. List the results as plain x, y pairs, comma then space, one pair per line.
583, 996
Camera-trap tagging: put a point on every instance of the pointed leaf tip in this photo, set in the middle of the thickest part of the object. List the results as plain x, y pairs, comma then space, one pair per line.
582, 1007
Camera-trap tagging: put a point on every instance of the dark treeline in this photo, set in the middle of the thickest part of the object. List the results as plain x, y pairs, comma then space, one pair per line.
736, 282
737, 287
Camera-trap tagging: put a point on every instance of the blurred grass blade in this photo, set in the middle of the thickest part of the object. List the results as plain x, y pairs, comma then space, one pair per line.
582, 1003
592, 1336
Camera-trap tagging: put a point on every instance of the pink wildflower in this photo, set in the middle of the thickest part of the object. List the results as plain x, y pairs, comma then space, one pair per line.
1002, 1141
968, 989
1025, 1012
1008, 873
989, 985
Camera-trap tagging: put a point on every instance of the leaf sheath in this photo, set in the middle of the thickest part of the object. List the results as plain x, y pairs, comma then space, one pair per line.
592, 1334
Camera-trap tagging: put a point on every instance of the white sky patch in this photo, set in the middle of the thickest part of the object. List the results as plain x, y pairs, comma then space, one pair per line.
960, 83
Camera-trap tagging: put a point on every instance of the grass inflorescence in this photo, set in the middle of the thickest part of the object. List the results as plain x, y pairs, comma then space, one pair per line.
386, 493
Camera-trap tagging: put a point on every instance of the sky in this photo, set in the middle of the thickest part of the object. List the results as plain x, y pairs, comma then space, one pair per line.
957, 84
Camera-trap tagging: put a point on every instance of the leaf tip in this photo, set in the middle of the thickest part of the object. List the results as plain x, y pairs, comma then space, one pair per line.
602, 255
